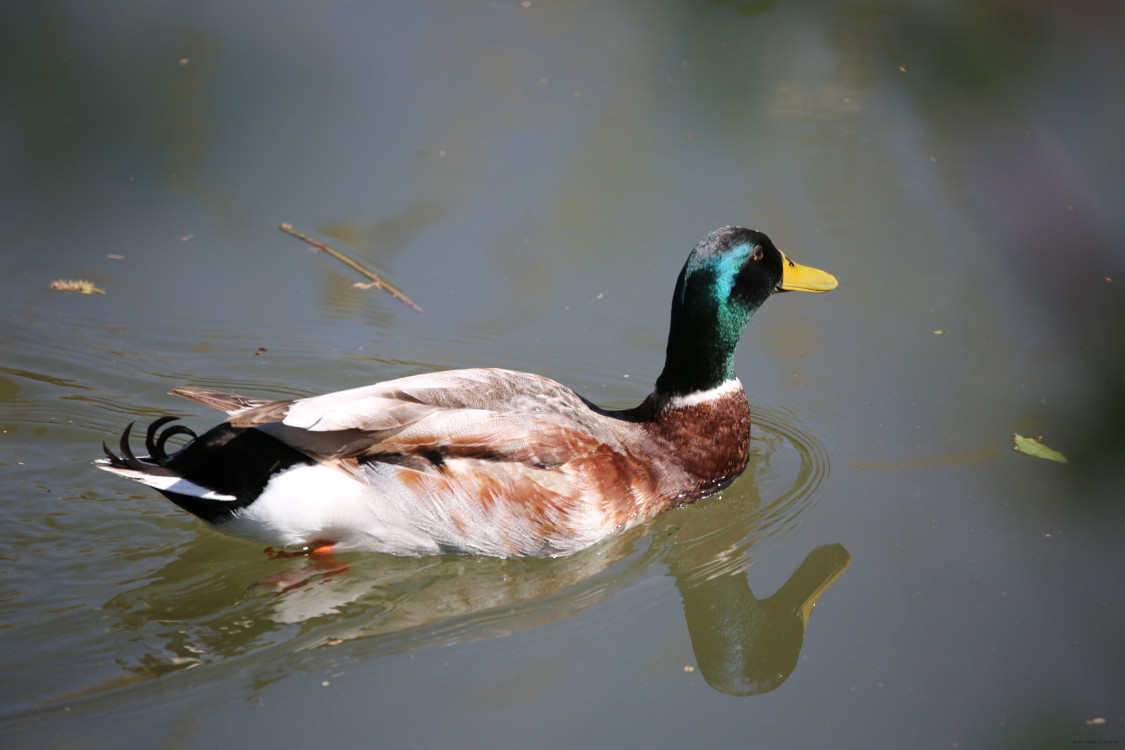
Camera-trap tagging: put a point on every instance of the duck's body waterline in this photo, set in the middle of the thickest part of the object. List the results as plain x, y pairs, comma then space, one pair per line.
483, 461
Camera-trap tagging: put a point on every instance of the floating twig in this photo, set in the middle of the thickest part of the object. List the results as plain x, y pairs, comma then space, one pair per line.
377, 281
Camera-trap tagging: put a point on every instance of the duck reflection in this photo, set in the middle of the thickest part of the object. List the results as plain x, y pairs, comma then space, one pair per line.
381, 605
745, 645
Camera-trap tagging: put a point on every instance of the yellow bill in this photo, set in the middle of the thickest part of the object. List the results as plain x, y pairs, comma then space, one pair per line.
798, 278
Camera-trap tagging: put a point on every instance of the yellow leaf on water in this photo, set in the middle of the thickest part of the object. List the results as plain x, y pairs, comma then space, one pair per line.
1035, 447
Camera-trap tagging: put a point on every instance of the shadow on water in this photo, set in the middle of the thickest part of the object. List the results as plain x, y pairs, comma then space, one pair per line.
191, 614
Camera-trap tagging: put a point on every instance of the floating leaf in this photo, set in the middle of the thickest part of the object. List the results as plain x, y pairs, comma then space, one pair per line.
76, 285
1035, 447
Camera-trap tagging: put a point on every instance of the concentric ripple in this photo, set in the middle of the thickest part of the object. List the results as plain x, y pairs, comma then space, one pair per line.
788, 463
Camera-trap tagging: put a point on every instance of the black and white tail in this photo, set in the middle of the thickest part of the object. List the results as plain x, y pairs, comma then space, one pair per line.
213, 476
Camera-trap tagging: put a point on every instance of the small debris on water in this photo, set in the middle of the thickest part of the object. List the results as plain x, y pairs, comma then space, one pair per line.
76, 285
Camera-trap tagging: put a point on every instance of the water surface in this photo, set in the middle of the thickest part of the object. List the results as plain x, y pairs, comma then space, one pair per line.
534, 175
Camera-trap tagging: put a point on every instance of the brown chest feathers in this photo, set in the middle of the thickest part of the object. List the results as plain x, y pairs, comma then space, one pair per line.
709, 442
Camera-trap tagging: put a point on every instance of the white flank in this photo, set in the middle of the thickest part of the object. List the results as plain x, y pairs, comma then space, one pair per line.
734, 385
316, 503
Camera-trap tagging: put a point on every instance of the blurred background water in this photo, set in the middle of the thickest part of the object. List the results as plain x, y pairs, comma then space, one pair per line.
533, 174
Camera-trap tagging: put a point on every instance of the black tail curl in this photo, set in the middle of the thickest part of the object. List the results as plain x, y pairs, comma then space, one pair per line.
155, 440
223, 470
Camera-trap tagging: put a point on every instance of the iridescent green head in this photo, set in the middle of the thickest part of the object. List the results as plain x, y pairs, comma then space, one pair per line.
727, 277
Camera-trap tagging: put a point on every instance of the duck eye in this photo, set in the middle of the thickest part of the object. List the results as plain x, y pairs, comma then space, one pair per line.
791, 263
757, 253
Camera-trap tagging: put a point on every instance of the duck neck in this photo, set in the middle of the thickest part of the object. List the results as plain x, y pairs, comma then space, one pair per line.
694, 364
701, 343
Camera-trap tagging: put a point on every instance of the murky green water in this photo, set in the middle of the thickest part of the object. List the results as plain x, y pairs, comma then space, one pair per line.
533, 175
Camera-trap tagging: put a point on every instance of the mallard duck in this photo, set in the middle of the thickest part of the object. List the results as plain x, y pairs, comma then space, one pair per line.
483, 461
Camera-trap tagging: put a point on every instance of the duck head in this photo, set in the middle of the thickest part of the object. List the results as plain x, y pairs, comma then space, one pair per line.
727, 277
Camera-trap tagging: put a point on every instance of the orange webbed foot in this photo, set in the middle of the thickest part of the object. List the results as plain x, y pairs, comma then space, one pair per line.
320, 563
